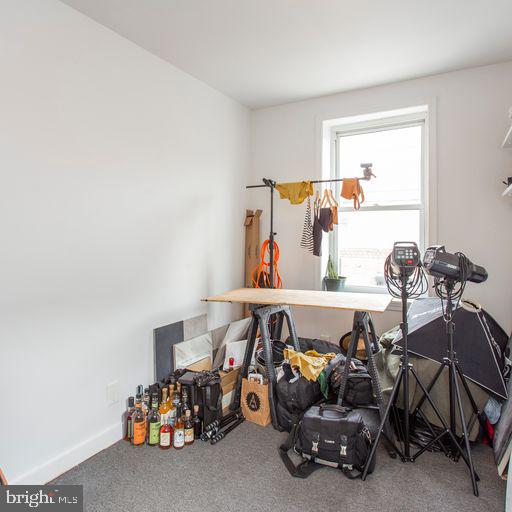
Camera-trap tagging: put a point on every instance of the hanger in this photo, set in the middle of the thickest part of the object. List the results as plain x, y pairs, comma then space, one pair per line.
328, 199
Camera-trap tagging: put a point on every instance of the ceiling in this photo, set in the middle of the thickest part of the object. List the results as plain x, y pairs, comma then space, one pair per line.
268, 52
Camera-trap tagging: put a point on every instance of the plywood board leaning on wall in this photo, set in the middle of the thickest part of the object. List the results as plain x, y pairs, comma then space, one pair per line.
252, 246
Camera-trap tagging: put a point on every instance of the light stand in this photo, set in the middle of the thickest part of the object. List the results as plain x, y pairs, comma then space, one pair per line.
455, 398
406, 281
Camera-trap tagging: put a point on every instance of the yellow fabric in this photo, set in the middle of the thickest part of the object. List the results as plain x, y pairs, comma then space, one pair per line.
295, 192
310, 363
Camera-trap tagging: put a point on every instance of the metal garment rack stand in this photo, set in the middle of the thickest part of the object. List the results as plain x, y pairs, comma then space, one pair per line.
271, 184
262, 315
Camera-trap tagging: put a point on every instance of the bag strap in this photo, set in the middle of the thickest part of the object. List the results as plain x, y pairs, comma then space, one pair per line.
349, 471
334, 407
353, 474
305, 468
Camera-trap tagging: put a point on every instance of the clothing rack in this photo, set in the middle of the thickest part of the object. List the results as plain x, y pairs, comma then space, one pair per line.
269, 183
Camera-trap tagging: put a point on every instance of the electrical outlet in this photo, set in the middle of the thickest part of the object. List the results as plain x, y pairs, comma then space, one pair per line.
113, 392
325, 337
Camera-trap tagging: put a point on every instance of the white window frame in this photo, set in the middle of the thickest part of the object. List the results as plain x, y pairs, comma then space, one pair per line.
389, 122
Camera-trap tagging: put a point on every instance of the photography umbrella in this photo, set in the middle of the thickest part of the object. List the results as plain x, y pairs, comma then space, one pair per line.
478, 341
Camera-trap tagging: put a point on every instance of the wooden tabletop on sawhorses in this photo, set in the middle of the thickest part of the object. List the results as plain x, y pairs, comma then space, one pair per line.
267, 301
370, 302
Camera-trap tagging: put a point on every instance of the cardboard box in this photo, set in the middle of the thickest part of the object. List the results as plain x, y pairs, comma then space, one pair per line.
228, 380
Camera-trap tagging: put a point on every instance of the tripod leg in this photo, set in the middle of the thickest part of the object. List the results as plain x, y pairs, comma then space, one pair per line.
434, 435
418, 411
429, 388
249, 350
278, 326
472, 400
466, 436
429, 444
443, 421
372, 370
287, 312
269, 367
356, 330
373, 335
383, 420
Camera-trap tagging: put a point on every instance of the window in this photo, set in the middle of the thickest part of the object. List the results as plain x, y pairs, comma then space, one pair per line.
394, 206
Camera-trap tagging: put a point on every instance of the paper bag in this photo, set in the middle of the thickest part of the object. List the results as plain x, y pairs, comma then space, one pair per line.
254, 402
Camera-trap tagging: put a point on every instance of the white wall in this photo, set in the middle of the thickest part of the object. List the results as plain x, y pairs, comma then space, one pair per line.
468, 122
120, 208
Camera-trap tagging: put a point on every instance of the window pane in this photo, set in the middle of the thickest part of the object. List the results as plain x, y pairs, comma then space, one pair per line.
396, 158
366, 239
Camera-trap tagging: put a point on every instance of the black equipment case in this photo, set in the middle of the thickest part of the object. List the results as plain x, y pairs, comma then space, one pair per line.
206, 392
329, 435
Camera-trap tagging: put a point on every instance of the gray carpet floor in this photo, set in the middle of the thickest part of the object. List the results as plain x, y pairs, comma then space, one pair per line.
244, 472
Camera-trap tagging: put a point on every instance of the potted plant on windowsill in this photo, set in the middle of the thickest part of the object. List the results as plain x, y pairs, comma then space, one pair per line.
332, 282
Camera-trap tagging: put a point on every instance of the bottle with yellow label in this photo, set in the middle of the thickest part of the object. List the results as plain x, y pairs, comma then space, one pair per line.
165, 406
189, 428
154, 422
138, 424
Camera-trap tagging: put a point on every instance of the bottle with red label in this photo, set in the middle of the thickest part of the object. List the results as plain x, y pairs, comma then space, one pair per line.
166, 432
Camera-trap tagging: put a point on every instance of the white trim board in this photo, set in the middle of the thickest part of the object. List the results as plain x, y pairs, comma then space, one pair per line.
69, 458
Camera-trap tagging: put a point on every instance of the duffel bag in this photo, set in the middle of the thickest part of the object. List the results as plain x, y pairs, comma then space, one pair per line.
359, 389
329, 435
293, 398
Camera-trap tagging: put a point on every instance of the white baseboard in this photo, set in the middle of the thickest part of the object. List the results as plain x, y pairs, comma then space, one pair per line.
70, 458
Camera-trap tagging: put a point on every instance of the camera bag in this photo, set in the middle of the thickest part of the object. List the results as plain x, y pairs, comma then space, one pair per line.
329, 435
359, 389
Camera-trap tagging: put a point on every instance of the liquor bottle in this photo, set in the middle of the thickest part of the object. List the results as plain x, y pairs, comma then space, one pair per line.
198, 425
154, 422
188, 427
145, 401
164, 407
176, 401
138, 424
165, 435
179, 431
172, 408
185, 405
128, 419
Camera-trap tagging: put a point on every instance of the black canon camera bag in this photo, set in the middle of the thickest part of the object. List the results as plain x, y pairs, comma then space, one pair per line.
329, 435
359, 389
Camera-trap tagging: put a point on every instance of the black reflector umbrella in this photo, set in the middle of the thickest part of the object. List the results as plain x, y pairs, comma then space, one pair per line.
479, 341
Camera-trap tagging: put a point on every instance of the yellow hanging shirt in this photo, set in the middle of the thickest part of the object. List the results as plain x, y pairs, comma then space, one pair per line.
296, 192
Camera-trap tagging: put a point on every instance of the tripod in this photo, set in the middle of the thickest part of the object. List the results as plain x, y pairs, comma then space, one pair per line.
454, 371
405, 371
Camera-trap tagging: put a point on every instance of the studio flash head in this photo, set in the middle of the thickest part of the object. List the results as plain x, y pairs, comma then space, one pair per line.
456, 267
405, 258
